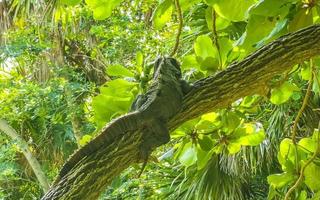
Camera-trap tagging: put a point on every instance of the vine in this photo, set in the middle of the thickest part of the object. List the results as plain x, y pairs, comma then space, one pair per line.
215, 34
180, 18
304, 104
299, 180
294, 133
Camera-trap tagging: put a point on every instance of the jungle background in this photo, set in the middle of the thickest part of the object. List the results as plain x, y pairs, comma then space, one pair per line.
67, 67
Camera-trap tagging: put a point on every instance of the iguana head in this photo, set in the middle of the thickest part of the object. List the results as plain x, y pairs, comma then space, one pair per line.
166, 65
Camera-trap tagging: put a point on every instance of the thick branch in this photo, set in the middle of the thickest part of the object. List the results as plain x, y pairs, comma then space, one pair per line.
93, 173
250, 76
33, 162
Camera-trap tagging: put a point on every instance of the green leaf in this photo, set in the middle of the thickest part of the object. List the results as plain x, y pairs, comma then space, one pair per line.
208, 123
270, 8
252, 139
70, 2
85, 139
258, 28
234, 148
306, 72
102, 8
221, 23
312, 174
119, 70
162, 13
232, 10
280, 180
209, 64
308, 145
289, 153
202, 158
188, 155
302, 18
205, 143
230, 121
283, 93
287, 149
114, 99
204, 48
185, 4
316, 196
207, 54
279, 28
302, 195
189, 62
139, 58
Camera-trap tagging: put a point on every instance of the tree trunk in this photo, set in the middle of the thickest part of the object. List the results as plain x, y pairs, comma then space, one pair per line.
250, 76
22, 144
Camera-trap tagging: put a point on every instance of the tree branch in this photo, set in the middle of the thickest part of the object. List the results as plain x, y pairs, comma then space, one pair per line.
250, 76
22, 144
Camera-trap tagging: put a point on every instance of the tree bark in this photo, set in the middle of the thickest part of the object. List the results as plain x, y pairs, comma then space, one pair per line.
33, 162
250, 76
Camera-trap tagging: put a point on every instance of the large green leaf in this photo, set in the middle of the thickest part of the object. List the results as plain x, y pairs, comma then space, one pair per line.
204, 48
208, 123
70, 2
306, 72
202, 158
290, 154
102, 8
312, 174
221, 23
302, 18
230, 121
308, 145
207, 54
119, 70
189, 62
188, 155
283, 93
252, 139
245, 135
185, 4
258, 28
233, 10
114, 99
270, 8
233, 148
205, 143
280, 180
162, 13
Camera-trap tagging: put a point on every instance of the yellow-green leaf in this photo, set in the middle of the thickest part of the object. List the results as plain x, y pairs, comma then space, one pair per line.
162, 14
119, 70
102, 8
283, 93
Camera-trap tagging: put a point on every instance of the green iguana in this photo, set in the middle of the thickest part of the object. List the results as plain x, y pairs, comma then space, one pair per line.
151, 111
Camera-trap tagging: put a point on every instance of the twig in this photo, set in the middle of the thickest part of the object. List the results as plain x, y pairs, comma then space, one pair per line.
176, 46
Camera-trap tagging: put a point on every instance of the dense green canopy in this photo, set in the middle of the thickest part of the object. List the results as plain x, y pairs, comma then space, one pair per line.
247, 130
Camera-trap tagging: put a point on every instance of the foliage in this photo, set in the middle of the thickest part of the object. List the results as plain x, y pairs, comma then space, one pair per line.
68, 67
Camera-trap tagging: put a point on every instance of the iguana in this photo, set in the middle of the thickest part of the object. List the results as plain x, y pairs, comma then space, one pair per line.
152, 111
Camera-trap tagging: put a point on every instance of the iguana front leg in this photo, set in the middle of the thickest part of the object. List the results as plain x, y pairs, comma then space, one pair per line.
153, 136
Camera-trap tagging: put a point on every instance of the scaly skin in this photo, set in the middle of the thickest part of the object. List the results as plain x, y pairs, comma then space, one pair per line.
151, 111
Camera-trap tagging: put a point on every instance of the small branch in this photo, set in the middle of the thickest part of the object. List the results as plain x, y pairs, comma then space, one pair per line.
300, 179
33, 162
180, 17
304, 104
215, 34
